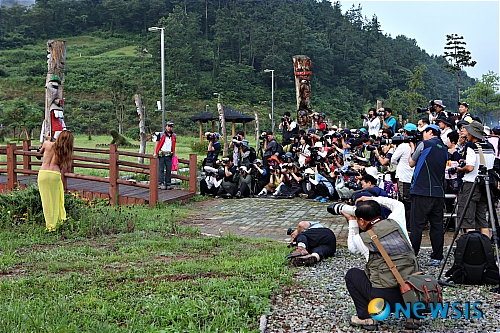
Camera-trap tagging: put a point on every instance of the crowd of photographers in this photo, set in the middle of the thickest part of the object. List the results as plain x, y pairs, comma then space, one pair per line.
415, 164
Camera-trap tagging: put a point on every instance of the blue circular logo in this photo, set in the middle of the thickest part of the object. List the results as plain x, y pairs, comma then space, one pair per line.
379, 309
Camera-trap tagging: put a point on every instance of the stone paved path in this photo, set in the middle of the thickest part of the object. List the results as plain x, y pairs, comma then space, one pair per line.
269, 218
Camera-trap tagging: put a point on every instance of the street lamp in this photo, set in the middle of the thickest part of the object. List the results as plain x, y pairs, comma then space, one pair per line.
218, 97
272, 96
162, 73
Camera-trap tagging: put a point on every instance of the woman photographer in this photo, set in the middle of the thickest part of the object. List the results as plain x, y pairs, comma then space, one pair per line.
275, 180
303, 152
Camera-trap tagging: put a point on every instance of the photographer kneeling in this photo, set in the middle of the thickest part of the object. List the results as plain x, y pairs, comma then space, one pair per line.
261, 175
228, 187
377, 280
243, 182
315, 186
314, 242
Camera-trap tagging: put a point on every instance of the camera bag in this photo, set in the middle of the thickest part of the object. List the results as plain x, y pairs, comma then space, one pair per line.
414, 288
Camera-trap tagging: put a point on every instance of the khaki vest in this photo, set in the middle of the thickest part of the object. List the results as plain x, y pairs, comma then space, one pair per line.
376, 268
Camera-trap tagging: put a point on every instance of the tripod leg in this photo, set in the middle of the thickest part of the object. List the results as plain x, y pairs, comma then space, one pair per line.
459, 224
492, 220
448, 220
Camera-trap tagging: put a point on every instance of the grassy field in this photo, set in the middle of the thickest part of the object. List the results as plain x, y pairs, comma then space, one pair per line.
129, 269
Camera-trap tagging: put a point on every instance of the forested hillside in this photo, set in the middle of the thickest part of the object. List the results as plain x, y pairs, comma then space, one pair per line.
210, 46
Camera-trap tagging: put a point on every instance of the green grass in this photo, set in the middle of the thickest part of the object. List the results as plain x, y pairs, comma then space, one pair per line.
160, 277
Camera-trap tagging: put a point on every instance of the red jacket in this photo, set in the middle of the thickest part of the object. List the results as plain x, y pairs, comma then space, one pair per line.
162, 141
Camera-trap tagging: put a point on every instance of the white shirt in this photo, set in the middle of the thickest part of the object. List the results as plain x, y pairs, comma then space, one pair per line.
404, 172
167, 145
373, 125
473, 159
355, 243
444, 135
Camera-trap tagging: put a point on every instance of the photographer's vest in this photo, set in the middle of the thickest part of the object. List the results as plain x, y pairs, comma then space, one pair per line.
397, 247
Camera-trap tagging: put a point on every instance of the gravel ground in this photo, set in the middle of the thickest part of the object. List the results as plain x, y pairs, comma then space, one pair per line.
319, 301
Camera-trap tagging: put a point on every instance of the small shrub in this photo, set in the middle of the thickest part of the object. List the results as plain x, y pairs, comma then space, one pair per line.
199, 147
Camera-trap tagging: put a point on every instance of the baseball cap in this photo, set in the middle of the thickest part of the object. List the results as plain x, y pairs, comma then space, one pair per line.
244, 143
170, 123
496, 130
433, 127
217, 135
410, 127
464, 104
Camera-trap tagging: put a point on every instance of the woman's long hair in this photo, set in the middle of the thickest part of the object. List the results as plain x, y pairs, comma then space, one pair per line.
63, 149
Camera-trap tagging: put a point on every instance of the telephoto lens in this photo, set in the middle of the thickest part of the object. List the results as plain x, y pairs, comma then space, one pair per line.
289, 231
338, 207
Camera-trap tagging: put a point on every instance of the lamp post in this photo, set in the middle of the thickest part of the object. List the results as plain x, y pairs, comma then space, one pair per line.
162, 73
272, 96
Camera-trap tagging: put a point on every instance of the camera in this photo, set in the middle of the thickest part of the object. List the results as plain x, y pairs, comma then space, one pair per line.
211, 136
289, 231
263, 136
380, 113
430, 108
372, 147
353, 186
401, 139
365, 116
338, 207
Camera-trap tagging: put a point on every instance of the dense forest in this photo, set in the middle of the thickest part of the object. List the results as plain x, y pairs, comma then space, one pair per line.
210, 46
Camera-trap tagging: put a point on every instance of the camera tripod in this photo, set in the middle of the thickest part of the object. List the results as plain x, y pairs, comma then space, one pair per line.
484, 175
259, 150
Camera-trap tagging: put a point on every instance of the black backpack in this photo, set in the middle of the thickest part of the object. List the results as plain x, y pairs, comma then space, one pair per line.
474, 261
279, 150
253, 154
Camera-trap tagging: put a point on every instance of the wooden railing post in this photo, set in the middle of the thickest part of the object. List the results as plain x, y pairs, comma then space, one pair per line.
113, 175
192, 172
11, 165
26, 158
153, 181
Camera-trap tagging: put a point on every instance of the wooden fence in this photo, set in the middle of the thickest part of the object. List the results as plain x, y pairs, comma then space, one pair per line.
23, 156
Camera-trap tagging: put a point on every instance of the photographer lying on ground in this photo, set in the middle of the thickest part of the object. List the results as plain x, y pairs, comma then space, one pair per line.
377, 280
314, 242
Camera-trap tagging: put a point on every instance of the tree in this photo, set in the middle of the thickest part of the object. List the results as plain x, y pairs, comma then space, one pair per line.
458, 57
484, 97
122, 93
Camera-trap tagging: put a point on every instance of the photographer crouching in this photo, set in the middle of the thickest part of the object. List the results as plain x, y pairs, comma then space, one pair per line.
228, 186
261, 175
377, 280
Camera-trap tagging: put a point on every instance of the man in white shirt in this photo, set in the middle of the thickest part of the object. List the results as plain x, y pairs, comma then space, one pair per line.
404, 172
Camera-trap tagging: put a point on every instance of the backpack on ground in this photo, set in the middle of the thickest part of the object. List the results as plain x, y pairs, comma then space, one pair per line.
474, 261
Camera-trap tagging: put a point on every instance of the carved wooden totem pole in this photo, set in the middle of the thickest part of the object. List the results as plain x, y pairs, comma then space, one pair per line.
302, 68
54, 97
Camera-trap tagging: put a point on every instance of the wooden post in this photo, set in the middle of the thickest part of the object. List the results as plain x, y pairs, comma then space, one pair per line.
142, 126
222, 120
113, 175
192, 172
232, 129
245, 128
213, 126
11, 165
153, 181
54, 98
26, 158
201, 132
302, 67
257, 134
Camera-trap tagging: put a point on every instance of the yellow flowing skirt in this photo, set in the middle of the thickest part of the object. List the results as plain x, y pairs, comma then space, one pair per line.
52, 193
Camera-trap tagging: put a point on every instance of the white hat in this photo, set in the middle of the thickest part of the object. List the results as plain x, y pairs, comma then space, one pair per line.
309, 171
318, 144
243, 168
372, 171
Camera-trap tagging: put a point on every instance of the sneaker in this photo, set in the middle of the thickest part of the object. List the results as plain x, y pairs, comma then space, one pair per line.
368, 324
307, 260
160, 185
168, 188
303, 195
238, 195
163, 187
298, 252
318, 198
324, 200
434, 262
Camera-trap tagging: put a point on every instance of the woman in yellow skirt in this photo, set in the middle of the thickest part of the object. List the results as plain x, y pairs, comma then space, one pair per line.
57, 156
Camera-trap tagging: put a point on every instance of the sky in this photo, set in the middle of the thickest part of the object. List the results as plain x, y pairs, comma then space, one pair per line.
428, 22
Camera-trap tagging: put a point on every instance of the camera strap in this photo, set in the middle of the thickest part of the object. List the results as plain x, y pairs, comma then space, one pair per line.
482, 161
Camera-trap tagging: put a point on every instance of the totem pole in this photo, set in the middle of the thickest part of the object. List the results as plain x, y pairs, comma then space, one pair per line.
54, 98
302, 68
